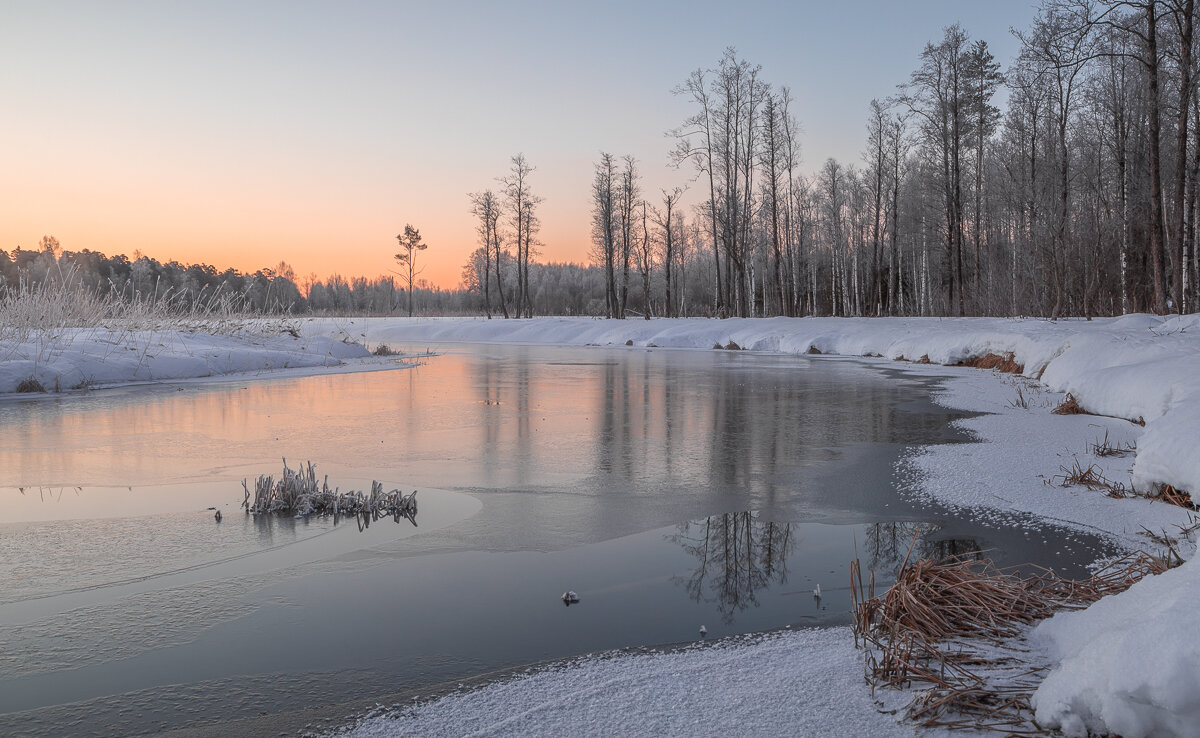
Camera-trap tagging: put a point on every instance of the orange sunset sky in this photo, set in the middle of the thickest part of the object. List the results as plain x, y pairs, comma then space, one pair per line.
245, 133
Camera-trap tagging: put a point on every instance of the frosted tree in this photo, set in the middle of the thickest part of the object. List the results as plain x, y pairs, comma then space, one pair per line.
522, 209
410, 245
604, 206
485, 206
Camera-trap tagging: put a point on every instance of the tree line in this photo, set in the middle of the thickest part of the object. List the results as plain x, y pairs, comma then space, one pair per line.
1064, 184
179, 286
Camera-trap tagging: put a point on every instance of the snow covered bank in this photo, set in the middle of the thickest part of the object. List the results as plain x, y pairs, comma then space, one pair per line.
1127, 665
78, 358
792, 683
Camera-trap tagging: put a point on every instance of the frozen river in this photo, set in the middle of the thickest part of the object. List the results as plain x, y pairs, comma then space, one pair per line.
669, 488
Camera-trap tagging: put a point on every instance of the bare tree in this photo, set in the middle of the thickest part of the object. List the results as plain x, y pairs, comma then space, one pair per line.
604, 203
669, 234
522, 208
486, 207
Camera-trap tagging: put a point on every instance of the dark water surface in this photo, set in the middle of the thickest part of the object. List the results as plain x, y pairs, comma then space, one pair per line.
670, 489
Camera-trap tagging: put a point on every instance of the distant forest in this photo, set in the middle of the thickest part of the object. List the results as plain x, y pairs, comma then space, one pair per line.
1065, 184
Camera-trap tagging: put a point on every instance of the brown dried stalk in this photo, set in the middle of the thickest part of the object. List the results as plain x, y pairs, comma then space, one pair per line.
1069, 406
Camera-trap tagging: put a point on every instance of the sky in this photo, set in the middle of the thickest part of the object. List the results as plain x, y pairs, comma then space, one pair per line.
245, 133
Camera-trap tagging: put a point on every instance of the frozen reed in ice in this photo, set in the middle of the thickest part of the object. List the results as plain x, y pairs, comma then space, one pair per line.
298, 492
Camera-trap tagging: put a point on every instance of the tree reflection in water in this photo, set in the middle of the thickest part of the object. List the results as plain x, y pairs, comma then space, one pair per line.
888, 544
738, 555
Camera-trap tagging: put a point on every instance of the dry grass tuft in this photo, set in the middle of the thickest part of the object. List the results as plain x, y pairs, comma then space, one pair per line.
30, 385
1172, 496
384, 350
732, 346
948, 626
814, 350
1105, 448
1069, 406
1021, 401
1091, 477
924, 359
1000, 363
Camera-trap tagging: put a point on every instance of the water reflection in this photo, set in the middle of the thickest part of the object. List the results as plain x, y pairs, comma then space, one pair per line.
738, 555
888, 545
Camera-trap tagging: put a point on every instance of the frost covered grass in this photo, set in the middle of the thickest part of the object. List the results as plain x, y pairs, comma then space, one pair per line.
297, 492
61, 335
29, 311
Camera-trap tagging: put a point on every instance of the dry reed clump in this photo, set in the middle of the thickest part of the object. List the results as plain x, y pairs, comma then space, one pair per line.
923, 360
30, 385
1006, 363
817, 352
1091, 477
384, 350
1069, 406
298, 493
1021, 402
949, 627
1172, 496
1105, 448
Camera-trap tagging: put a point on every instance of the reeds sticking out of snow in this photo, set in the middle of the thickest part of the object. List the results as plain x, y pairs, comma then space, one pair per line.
297, 492
953, 626
58, 307
1091, 477
42, 321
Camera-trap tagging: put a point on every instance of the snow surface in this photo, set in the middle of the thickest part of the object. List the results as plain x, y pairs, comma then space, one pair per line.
1128, 665
80, 358
788, 683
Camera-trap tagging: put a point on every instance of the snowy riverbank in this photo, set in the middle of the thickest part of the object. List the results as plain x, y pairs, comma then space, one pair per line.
1127, 665
63, 360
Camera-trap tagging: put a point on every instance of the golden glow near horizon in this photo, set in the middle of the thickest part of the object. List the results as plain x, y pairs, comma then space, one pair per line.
242, 134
